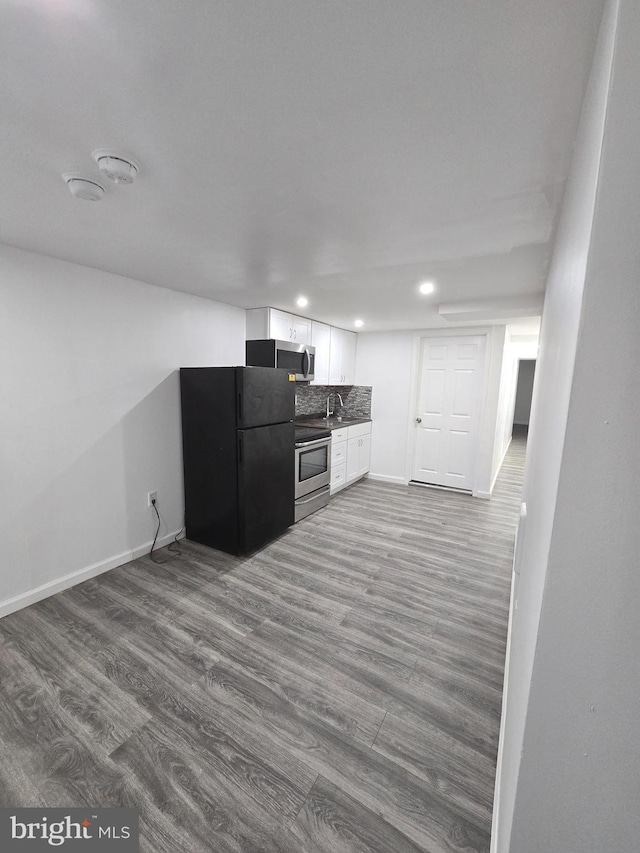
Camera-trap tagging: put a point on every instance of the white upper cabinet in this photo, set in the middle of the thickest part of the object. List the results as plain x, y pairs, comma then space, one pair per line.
321, 340
342, 357
280, 325
349, 343
301, 328
270, 323
335, 348
335, 357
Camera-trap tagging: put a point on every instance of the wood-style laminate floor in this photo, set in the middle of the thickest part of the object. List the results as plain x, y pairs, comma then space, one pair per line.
339, 691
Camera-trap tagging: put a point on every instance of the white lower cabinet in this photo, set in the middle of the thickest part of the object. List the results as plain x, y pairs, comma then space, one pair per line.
338, 477
353, 459
350, 455
364, 455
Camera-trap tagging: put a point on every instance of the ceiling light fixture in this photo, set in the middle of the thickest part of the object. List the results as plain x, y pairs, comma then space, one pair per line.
83, 188
302, 301
427, 287
358, 323
120, 170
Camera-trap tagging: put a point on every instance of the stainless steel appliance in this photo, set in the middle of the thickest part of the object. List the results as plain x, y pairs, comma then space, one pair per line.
295, 358
313, 470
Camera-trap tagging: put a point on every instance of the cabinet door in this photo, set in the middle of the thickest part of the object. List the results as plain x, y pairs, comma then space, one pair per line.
301, 329
353, 459
321, 340
364, 455
349, 342
335, 357
280, 326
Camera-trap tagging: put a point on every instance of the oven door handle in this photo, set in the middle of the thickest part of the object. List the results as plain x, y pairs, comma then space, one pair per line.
316, 442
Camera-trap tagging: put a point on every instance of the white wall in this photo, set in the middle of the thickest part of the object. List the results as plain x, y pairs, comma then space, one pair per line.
388, 362
384, 361
496, 347
550, 794
90, 414
579, 784
524, 392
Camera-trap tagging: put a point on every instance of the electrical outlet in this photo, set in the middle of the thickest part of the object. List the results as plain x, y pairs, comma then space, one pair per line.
151, 497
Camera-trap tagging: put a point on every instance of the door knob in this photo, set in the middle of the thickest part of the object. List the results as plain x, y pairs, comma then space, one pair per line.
418, 420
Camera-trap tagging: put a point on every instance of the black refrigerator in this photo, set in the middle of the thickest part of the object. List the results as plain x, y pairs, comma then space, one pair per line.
238, 452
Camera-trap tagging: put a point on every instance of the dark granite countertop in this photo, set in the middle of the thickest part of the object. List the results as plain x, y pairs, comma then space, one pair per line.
330, 423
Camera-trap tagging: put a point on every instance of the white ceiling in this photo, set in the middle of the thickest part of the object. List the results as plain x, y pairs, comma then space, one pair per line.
344, 149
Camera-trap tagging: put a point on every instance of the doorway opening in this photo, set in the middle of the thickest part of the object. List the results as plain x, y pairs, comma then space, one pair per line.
524, 394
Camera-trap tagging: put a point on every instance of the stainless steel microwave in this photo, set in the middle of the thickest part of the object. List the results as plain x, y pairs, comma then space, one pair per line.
296, 358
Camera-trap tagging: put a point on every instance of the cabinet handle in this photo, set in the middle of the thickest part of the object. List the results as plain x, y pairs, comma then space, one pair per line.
418, 420
295, 334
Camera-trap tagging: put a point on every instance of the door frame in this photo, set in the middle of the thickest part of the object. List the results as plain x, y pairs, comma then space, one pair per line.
419, 337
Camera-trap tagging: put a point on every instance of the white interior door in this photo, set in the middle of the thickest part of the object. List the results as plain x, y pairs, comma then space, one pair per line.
448, 412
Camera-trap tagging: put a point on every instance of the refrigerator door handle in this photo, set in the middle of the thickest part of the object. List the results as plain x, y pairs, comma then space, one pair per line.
240, 408
239, 450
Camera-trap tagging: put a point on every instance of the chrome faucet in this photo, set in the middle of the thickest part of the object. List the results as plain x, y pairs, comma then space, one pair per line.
329, 410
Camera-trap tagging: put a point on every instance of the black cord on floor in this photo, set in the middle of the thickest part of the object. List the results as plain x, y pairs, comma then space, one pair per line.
175, 542
176, 551
155, 538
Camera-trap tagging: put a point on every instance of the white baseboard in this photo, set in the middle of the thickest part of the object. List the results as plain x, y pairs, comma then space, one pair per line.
485, 496
387, 478
67, 581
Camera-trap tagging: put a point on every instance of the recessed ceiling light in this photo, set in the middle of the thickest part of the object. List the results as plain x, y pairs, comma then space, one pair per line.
358, 323
427, 287
302, 301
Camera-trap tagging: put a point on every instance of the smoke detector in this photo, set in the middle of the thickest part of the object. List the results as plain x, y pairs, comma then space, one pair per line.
83, 188
120, 170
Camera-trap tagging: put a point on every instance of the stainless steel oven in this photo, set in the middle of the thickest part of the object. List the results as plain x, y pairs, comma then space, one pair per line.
313, 470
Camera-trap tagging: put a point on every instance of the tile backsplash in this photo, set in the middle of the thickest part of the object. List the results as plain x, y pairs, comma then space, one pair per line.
312, 400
